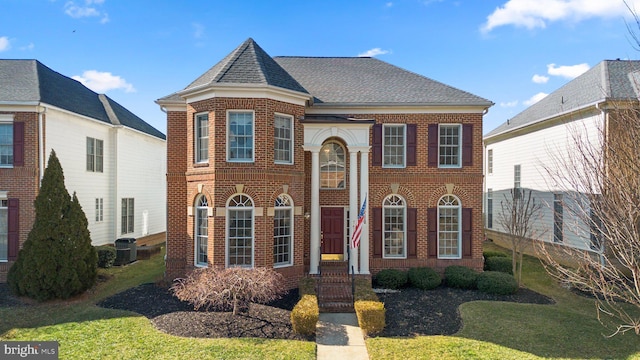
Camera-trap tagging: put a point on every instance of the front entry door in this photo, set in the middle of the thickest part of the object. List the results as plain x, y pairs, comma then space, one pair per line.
332, 224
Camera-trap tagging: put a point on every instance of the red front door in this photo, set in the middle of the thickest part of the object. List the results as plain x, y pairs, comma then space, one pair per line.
332, 223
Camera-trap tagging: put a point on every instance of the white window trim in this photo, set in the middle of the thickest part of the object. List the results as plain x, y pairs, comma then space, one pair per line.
253, 136
459, 207
196, 263
290, 207
459, 147
404, 235
196, 139
253, 231
6, 119
291, 152
404, 141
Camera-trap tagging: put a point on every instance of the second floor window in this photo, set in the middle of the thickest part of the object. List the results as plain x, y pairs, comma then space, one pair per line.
240, 136
449, 148
393, 151
6, 144
95, 155
202, 138
283, 139
332, 166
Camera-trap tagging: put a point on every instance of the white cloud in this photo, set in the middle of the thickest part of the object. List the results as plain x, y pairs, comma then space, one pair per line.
198, 30
567, 71
389, 4
5, 44
28, 47
533, 14
102, 82
540, 79
87, 9
509, 104
535, 98
373, 52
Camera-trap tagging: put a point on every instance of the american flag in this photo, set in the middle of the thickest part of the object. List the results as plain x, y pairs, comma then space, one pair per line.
357, 232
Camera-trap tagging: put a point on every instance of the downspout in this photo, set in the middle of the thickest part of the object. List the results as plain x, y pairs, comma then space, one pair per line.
605, 128
41, 154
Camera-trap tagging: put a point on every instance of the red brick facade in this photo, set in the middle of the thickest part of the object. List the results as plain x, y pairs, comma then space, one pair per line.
22, 182
421, 186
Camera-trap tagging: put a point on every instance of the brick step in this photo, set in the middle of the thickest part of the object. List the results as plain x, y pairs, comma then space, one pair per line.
336, 307
335, 292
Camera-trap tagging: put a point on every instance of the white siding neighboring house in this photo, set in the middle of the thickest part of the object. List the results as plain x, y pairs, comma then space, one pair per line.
534, 139
107, 153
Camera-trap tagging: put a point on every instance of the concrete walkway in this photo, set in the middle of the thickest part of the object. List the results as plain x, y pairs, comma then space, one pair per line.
338, 336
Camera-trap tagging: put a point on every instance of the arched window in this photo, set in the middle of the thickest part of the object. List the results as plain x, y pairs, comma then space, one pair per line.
240, 231
449, 232
332, 165
201, 230
283, 231
394, 224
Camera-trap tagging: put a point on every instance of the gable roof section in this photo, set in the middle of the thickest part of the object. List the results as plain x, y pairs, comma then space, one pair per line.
608, 80
369, 81
29, 81
248, 64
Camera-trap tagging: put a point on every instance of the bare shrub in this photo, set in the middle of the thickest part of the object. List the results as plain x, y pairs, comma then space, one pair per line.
232, 288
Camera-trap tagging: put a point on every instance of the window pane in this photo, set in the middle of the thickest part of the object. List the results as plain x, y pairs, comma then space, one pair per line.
394, 145
99, 155
332, 166
6, 144
202, 138
448, 229
90, 154
449, 147
240, 237
202, 226
282, 139
240, 136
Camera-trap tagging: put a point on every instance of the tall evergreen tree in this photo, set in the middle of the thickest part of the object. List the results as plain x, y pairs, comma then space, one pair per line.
57, 260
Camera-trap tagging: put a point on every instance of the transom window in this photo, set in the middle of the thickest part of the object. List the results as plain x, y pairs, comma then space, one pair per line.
282, 231
394, 225
449, 232
240, 136
95, 154
332, 166
202, 138
240, 231
283, 139
127, 225
4, 229
6, 144
201, 230
449, 147
393, 151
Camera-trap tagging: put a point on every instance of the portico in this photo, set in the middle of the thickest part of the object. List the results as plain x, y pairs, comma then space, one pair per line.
318, 130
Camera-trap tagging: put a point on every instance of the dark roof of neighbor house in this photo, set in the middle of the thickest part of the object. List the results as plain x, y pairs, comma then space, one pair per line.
333, 80
608, 80
25, 81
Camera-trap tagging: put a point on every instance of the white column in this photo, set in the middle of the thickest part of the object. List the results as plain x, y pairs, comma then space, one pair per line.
353, 205
314, 259
364, 189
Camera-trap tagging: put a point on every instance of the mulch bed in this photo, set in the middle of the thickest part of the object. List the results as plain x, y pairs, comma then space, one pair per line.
409, 312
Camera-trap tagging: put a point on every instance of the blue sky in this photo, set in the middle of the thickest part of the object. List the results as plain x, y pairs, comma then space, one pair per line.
511, 52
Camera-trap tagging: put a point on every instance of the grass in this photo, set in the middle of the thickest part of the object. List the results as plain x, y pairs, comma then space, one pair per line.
85, 331
495, 330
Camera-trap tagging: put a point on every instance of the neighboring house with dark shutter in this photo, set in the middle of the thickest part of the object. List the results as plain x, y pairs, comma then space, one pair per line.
270, 160
111, 158
519, 151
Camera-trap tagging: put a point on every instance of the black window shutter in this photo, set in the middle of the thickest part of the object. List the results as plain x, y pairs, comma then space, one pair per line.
433, 145
412, 138
14, 227
467, 145
432, 232
412, 232
377, 232
377, 145
18, 144
467, 214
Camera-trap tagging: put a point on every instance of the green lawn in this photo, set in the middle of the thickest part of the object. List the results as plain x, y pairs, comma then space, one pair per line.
85, 331
496, 330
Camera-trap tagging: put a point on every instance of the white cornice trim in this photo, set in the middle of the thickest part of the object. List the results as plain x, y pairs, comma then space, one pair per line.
320, 109
257, 91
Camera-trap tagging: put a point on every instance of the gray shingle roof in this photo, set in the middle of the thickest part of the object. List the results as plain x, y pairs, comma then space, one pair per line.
332, 80
24, 81
248, 64
608, 80
364, 80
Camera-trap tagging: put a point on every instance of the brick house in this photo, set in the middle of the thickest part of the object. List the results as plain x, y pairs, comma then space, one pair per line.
111, 158
270, 159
